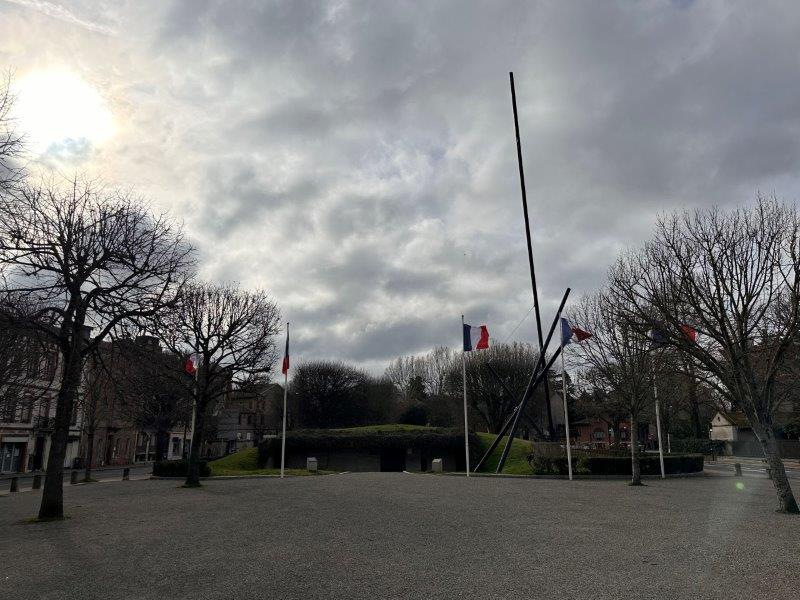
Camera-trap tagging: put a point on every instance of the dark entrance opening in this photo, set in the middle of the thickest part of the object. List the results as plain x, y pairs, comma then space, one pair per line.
393, 460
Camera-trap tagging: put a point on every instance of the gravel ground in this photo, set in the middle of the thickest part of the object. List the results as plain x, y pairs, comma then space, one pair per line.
395, 535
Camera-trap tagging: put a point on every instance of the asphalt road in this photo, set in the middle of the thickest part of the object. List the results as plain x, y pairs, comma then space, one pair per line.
394, 535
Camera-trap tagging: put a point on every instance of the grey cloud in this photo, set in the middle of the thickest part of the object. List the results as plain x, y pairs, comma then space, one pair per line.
357, 158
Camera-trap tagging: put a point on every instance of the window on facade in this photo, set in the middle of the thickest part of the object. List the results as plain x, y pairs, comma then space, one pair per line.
599, 434
176, 445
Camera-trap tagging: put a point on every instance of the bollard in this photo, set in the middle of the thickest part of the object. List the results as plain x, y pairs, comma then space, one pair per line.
73, 478
14, 484
37, 482
738, 468
126, 474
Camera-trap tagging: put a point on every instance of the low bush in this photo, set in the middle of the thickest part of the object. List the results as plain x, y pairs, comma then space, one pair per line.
699, 446
178, 468
614, 465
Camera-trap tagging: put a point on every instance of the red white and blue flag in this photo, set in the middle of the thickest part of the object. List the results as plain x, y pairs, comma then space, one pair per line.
570, 334
475, 338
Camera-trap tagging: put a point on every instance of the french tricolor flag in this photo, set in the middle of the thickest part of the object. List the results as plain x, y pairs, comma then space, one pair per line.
475, 338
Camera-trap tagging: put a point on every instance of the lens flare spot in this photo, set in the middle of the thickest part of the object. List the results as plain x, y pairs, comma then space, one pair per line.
739, 486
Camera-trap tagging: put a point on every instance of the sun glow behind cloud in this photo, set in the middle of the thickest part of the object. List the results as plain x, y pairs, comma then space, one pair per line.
58, 111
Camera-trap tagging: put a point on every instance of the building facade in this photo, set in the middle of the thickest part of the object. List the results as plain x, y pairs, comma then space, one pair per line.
28, 409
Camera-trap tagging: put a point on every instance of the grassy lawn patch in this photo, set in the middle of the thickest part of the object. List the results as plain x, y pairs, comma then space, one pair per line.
245, 462
517, 460
388, 428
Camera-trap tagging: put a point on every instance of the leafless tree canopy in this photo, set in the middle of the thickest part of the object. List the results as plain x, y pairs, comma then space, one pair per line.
85, 255
11, 142
732, 276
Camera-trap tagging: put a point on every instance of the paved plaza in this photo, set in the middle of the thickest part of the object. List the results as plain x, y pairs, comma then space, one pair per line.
395, 535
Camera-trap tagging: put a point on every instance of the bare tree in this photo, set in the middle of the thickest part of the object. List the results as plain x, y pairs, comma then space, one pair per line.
492, 400
232, 332
404, 372
88, 258
734, 278
619, 357
11, 142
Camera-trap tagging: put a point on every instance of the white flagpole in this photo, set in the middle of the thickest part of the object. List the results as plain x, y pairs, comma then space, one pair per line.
285, 391
566, 410
466, 419
658, 425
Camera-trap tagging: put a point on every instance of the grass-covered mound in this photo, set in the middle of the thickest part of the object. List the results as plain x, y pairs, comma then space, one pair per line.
373, 438
516, 461
245, 462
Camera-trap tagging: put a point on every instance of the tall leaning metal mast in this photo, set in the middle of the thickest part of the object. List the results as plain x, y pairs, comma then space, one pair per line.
550, 429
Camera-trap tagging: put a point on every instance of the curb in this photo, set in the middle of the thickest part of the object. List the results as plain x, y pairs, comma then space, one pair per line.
221, 477
574, 477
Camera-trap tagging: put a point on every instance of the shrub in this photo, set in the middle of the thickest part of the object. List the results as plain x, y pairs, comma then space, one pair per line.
416, 414
699, 446
584, 464
178, 468
649, 463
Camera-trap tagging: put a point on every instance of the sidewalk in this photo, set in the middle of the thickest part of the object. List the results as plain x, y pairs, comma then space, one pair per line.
789, 463
4, 476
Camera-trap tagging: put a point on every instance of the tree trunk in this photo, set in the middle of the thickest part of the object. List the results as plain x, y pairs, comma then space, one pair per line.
769, 445
193, 474
700, 432
87, 474
52, 506
636, 470
162, 444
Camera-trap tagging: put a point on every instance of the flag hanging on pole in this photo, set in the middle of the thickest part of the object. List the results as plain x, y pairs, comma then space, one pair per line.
657, 335
192, 364
690, 332
475, 338
571, 334
285, 367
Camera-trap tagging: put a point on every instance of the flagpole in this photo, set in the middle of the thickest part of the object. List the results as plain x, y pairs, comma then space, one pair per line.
658, 424
537, 313
566, 410
285, 391
194, 411
466, 418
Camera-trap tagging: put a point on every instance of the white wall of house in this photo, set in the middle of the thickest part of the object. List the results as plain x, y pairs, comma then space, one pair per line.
723, 429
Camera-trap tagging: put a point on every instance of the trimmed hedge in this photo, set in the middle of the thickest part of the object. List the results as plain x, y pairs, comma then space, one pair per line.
430, 439
616, 465
178, 468
699, 446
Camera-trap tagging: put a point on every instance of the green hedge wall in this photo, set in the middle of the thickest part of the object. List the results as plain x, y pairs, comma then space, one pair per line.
616, 465
178, 468
352, 439
699, 446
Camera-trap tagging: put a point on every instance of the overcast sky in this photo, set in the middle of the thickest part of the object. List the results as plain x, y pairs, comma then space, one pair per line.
357, 159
